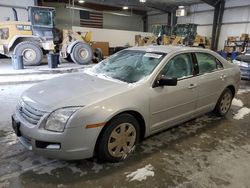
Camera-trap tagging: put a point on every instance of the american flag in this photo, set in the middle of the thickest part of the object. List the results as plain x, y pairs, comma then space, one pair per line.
91, 19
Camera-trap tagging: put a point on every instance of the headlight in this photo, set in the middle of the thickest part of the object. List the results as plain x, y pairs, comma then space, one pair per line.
58, 119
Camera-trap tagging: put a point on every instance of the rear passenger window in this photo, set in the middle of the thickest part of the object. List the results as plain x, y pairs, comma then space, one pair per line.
207, 63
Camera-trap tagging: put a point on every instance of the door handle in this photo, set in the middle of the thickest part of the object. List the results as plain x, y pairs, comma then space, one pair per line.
192, 86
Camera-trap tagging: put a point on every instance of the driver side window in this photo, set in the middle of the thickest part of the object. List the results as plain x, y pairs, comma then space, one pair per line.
180, 66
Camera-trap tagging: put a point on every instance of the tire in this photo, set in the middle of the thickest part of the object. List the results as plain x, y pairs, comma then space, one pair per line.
224, 103
31, 52
113, 146
98, 56
82, 54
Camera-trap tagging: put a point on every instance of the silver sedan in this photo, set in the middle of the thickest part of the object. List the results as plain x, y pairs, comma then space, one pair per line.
107, 109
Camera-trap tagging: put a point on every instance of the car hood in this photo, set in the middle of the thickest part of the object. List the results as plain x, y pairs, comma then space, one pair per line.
76, 89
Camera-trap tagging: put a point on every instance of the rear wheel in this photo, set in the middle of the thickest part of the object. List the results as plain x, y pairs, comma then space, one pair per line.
31, 52
224, 103
82, 54
98, 56
118, 139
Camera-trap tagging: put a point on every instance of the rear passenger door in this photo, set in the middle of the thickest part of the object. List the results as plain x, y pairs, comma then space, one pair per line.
210, 80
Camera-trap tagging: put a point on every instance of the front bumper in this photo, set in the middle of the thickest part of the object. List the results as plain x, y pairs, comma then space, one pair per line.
72, 144
245, 72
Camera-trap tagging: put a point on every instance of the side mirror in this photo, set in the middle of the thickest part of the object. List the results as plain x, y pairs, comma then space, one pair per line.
167, 82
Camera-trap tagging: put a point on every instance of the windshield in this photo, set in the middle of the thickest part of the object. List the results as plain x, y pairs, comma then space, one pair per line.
42, 18
129, 65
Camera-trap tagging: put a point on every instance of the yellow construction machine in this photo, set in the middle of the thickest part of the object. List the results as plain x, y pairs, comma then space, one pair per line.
39, 36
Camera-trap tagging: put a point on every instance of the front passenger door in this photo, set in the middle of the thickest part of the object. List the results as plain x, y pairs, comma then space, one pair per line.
171, 105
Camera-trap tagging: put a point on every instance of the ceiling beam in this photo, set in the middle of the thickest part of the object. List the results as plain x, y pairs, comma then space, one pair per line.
212, 3
100, 7
134, 4
160, 8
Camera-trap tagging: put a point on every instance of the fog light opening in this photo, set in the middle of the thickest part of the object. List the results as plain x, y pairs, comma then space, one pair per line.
53, 146
48, 145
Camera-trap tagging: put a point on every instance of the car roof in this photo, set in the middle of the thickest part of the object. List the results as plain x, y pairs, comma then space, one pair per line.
167, 48
172, 49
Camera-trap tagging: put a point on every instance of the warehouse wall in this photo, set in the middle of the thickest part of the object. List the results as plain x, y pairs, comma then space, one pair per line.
7, 12
236, 20
130, 23
64, 15
156, 18
64, 19
113, 36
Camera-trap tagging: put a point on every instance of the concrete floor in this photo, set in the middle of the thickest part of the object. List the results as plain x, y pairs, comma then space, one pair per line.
64, 66
206, 152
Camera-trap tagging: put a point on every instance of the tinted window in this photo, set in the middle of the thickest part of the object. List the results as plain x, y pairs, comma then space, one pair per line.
179, 67
207, 63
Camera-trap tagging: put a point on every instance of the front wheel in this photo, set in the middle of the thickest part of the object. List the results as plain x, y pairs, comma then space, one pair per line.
118, 139
224, 103
82, 54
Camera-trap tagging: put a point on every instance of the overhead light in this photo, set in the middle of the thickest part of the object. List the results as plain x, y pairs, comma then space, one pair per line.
81, 1
181, 7
142, 1
125, 7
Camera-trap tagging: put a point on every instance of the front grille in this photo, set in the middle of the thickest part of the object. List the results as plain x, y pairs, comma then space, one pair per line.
29, 113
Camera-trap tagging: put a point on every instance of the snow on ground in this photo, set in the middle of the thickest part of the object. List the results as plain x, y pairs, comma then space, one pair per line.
242, 91
76, 170
5, 184
141, 173
97, 167
6, 67
204, 136
242, 113
52, 166
237, 102
220, 169
49, 168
